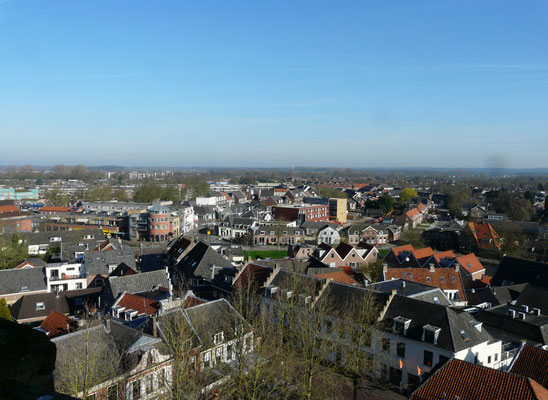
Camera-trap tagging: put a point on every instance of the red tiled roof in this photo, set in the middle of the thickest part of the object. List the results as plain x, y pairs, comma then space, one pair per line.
106, 245
470, 263
359, 185
532, 362
443, 278
466, 381
423, 253
8, 208
407, 247
486, 237
338, 276
192, 301
138, 303
55, 324
421, 207
444, 254
413, 212
55, 209
25, 264
227, 196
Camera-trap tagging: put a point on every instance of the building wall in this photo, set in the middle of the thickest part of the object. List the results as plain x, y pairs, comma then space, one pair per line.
338, 210
159, 227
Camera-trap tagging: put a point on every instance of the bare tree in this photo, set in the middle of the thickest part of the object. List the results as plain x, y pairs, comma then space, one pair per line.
180, 336
84, 359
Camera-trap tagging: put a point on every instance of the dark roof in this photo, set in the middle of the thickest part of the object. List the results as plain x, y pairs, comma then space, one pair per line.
534, 297
343, 249
498, 321
466, 381
122, 270
515, 270
531, 362
25, 306
14, 280
449, 320
200, 262
178, 247
415, 290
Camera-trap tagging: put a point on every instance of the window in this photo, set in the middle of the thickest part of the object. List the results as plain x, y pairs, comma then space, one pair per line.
40, 305
112, 392
400, 350
78, 285
149, 384
496, 357
429, 336
385, 344
136, 389
161, 378
24, 288
207, 359
428, 357
443, 359
218, 338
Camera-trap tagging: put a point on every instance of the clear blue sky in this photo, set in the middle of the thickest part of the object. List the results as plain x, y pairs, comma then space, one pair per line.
274, 83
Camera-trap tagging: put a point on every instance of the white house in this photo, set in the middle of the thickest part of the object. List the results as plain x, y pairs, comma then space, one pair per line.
329, 236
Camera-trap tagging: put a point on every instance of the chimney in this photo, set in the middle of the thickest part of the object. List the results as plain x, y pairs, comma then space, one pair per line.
154, 328
457, 267
385, 268
432, 268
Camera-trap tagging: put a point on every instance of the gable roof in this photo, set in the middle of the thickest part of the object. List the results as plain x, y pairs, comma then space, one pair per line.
470, 263
412, 213
485, 235
343, 249
466, 381
56, 324
406, 247
531, 362
200, 262
251, 275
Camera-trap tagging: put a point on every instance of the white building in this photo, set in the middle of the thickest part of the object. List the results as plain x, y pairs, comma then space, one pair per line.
64, 276
329, 236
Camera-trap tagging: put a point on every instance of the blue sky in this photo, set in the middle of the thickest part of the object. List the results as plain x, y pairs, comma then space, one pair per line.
274, 83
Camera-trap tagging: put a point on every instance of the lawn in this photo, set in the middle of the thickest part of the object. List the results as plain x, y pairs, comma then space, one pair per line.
255, 254
383, 252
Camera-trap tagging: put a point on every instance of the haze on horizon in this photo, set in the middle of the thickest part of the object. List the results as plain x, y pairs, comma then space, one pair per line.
274, 84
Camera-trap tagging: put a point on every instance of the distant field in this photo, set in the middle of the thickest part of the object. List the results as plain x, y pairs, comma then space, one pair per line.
254, 254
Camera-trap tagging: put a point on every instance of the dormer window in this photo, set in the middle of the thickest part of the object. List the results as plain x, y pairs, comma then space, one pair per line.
218, 338
40, 305
430, 334
401, 325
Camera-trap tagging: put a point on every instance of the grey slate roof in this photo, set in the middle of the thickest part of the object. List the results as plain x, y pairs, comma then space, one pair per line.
451, 322
97, 262
138, 283
33, 238
13, 280
412, 289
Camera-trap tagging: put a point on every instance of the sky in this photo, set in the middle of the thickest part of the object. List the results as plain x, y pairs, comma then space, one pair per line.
451, 83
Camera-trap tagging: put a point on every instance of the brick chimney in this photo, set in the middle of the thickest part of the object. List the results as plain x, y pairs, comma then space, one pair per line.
432, 268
